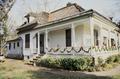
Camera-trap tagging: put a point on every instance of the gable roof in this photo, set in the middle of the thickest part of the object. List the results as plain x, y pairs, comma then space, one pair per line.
44, 17
66, 13
15, 39
69, 10
84, 13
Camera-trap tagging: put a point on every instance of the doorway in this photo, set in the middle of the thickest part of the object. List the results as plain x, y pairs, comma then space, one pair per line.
42, 43
68, 38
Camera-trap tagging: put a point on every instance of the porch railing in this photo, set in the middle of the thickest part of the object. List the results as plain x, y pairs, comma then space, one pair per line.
91, 51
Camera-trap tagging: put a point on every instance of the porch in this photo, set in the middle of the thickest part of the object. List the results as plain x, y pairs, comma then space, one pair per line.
84, 37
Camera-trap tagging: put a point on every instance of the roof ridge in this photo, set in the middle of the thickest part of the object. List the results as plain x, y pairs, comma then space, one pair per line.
69, 5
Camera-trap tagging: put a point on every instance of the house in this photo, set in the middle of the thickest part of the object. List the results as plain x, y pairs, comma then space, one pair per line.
15, 48
68, 31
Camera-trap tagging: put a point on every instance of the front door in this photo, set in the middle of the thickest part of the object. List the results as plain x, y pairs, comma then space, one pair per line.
42, 44
68, 38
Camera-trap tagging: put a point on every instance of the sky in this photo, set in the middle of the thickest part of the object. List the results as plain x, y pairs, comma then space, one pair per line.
22, 7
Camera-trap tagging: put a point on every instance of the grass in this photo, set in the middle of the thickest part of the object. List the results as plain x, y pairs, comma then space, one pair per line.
14, 69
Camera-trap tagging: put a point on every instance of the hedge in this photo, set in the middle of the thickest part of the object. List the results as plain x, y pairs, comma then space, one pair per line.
113, 59
71, 63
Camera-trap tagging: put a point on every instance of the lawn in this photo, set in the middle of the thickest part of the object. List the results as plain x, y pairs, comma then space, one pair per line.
15, 69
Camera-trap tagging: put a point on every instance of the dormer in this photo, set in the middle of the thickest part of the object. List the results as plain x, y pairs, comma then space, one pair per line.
29, 17
41, 17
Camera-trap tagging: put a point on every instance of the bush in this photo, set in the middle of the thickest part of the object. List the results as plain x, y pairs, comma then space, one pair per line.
100, 61
80, 63
110, 59
117, 59
75, 63
113, 59
83, 63
50, 62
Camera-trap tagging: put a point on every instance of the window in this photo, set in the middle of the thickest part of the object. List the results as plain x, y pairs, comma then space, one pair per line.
96, 40
112, 42
14, 45
36, 40
27, 41
105, 41
18, 44
68, 37
9, 46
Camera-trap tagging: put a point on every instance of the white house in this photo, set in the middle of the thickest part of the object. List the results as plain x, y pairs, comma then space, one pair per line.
15, 48
68, 30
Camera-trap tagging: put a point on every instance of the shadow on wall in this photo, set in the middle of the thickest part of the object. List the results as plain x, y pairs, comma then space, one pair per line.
59, 74
15, 56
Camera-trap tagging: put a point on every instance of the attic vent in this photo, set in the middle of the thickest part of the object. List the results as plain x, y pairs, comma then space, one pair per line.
69, 4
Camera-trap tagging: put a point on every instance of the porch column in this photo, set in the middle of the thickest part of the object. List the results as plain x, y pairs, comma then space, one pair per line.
38, 43
109, 38
46, 38
116, 37
73, 35
92, 31
101, 37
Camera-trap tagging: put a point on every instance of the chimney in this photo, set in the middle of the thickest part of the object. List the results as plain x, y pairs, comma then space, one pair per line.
69, 4
28, 18
111, 18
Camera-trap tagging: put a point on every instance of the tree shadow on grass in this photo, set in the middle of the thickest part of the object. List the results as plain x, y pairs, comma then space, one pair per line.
53, 74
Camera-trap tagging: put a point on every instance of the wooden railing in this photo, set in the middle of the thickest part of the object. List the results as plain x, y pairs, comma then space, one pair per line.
92, 51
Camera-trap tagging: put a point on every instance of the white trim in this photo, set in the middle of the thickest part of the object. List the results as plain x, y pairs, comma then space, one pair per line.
92, 31
73, 35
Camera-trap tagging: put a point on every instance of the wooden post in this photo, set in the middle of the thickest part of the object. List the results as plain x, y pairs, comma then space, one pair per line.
73, 35
92, 31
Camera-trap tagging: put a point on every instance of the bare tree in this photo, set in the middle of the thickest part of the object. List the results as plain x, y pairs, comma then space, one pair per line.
5, 8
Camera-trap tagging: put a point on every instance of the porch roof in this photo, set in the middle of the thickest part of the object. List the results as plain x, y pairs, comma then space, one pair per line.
15, 39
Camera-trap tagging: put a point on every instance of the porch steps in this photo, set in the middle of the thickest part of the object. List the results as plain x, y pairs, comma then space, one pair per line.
34, 60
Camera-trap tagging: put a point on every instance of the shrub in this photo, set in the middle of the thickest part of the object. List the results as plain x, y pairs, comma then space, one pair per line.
71, 63
81, 63
50, 62
110, 59
117, 59
113, 59
100, 61
108, 66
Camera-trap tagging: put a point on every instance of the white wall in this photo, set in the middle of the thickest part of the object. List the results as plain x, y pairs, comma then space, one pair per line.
83, 35
107, 30
29, 51
15, 51
79, 35
57, 38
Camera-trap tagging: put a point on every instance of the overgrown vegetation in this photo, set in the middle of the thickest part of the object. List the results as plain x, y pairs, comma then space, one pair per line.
83, 63
71, 63
107, 64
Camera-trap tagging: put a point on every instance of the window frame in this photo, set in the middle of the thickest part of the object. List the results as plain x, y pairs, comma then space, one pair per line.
27, 40
14, 44
18, 44
9, 46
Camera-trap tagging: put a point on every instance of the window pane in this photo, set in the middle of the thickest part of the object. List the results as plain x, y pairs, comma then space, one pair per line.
68, 37
27, 41
14, 45
18, 44
9, 46
36, 40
